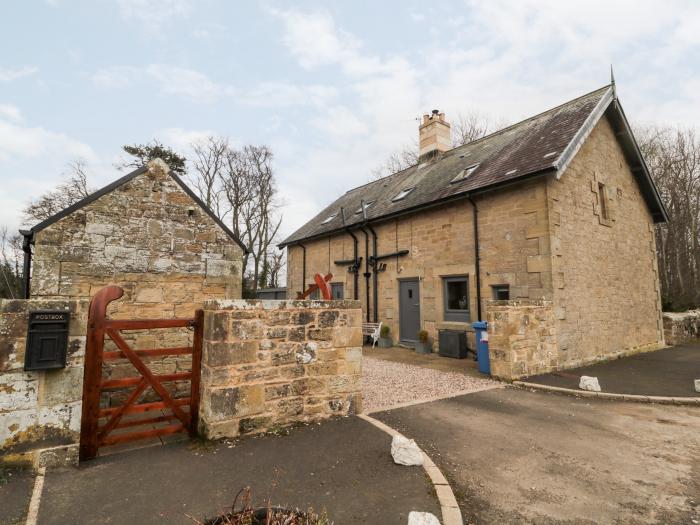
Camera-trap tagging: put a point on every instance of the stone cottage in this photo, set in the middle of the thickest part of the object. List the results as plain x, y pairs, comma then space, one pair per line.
148, 233
544, 228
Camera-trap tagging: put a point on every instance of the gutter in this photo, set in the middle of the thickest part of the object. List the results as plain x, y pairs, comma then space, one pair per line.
475, 220
27, 263
356, 262
303, 267
375, 273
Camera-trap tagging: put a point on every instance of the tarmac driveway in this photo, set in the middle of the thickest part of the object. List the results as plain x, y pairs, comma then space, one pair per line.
514, 456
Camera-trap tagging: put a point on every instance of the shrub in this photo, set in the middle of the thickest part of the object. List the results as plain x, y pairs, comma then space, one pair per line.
384, 332
423, 336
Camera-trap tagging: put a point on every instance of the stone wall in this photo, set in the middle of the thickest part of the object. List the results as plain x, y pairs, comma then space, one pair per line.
680, 328
271, 363
522, 338
151, 238
40, 411
606, 285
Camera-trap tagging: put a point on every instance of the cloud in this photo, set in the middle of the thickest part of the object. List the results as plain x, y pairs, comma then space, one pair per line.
10, 112
8, 75
154, 12
286, 94
171, 80
182, 139
17, 141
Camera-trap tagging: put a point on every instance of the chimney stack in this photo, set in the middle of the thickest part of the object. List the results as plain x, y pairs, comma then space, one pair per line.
433, 135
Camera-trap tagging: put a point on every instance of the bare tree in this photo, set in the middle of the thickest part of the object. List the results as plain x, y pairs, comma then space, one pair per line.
673, 156
10, 257
239, 186
67, 193
207, 171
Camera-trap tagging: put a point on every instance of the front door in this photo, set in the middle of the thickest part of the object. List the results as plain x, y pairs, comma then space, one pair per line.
409, 310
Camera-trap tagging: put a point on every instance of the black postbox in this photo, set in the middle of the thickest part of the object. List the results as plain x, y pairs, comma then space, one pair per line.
47, 340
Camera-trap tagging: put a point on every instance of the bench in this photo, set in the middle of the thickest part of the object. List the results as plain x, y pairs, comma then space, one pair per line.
372, 330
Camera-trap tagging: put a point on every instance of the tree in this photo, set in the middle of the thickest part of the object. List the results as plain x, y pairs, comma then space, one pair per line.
239, 186
67, 193
466, 128
144, 153
673, 157
210, 158
10, 261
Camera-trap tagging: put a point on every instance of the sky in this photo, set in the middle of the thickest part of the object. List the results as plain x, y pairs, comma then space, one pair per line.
331, 87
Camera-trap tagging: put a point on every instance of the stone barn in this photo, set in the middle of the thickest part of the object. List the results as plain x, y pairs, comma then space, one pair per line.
545, 229
148, 233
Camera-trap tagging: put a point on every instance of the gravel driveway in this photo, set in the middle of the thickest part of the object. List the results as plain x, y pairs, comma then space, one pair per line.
387, 384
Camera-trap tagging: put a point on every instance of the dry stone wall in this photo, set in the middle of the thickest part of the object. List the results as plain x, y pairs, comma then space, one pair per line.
682, 327
272, 363
40, 410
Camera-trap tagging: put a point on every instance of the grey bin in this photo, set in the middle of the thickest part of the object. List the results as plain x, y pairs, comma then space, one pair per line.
453, 343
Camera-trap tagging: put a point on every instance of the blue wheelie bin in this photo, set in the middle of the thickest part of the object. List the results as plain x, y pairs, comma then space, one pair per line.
482, 346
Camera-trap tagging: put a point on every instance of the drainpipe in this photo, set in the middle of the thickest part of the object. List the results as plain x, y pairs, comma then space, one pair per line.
355, 275
475, 220
303, 267
375, 273
27, 249
366, 274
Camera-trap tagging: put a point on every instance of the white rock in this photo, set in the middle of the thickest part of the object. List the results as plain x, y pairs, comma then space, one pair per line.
589, 383
405, 451
697, 385
422, 518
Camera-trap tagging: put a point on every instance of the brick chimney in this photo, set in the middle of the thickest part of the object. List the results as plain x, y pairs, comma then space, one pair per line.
433, 135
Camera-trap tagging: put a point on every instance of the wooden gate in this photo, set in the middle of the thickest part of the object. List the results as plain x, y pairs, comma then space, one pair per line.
103, 426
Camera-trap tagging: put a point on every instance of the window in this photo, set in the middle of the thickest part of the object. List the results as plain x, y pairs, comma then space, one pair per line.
501, 292
367, 205
456, 298
316, 294
337, 290
603, 201
330, 218
465, 173
403, 194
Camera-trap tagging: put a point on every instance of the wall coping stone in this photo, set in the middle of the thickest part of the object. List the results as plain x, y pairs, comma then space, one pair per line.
278, 304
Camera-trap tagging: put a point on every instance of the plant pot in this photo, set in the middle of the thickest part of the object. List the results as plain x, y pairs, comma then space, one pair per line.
424, 348
385, 342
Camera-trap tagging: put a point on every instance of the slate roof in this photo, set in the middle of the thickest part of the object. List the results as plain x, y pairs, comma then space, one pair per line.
123, 180
540, 144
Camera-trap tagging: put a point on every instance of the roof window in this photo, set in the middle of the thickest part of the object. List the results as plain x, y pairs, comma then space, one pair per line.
465, 173
403, 194
329, 218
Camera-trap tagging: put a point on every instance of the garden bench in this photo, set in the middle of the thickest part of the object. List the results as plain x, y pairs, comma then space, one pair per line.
372, 330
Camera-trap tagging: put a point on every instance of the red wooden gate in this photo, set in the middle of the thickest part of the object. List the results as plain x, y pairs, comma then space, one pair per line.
183, 412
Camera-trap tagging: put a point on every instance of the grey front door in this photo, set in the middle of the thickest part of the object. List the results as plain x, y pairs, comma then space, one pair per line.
409, 310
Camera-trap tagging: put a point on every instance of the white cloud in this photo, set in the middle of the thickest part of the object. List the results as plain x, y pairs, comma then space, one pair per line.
285, 94
10, 112
154, 13
172, 80
8, 75
182, 139
18, 141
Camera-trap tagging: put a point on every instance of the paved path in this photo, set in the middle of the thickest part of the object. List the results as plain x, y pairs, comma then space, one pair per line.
514, 456
669, 372
343, 466
15, 492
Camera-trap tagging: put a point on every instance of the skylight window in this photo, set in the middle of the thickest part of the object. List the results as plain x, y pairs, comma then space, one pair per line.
329, 218
465, 173
403, 194
367, 205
